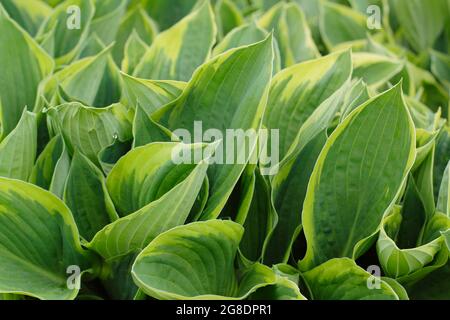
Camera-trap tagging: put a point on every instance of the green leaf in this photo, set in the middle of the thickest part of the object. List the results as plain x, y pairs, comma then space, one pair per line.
135, 48
446, 236
288, 193
200, 202
440, 66
436, 227
375, 69
47, 42
146, 173
138, 21
86, 195
82, 80
421, 22
443, 202
432, 287
362, 5
397, 287
265, 4
285, 287
105, 88
429, 91
296, 92
312, 13
11, 297
44, 168
70, 29
425, 144
398, 262
228, 16
258, 220
239, 202
54, 3
342, 279
93, 46
38, 242
177, 52
356, 96
340, 24
221, 86
151, 95
60, 173
290, 182
412, 218
110, 88
438, 263
441, 158
182, 164
29, 14
292, 33
374, 45
118, 281
244, 35
105, 21
423, 117
162, 270
145, 130
135, 231
90, 130
357, 178
424, 181
167, 13
19, 55
109, 156
18, 149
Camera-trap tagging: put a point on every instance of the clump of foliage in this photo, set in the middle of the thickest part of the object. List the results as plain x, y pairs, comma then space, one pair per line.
91, 92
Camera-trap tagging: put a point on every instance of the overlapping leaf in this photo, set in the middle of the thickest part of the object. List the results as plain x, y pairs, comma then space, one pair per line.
163, 211
342, 279
339, 216
292, 33
177, 52
68, 25
38, 242
422, 23
90, 130
221, 87
147, 121
19, 55
18, 149
165, 269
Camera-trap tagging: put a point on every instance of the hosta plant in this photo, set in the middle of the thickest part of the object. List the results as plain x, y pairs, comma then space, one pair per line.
224, 149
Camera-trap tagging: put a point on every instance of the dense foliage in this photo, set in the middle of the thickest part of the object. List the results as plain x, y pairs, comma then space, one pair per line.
94, 93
